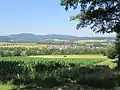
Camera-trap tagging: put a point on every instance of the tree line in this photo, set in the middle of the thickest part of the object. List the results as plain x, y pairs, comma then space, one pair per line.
22, 51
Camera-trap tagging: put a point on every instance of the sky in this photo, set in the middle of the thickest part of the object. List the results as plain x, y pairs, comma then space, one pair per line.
39, 17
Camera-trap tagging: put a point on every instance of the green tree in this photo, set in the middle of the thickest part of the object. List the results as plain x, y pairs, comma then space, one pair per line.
103, 16
7, 53
2, 54
111, 52
16, 53
118, 47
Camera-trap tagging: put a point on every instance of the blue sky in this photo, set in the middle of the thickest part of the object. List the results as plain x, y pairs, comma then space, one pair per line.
38, 17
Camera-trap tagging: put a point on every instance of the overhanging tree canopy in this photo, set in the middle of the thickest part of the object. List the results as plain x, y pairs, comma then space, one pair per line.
101, 15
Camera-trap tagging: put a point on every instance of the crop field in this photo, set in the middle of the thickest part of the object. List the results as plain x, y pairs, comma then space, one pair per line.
25, 45
73, 56
80, 61
83, 41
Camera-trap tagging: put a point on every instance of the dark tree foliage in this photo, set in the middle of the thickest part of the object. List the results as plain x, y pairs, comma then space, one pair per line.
102, 15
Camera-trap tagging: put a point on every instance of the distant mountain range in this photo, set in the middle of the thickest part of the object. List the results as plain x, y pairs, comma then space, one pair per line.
33, 37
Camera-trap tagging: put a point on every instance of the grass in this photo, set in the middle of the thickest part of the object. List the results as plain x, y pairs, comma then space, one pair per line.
108, 62
6, 87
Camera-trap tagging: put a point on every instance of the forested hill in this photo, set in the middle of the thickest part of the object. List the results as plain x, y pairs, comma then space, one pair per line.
32, 37
4, 39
